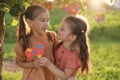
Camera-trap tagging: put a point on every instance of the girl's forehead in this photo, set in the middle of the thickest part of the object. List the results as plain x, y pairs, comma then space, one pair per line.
43, 15
66, 24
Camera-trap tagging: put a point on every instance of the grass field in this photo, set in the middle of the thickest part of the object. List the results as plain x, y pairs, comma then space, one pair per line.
12, 76
105, 56
104, 42
105, 60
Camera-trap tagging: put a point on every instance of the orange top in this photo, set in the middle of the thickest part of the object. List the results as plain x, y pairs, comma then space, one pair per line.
67, 59
34, 73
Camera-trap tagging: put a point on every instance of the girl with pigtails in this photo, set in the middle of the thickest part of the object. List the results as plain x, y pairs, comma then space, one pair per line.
33, 26
72, 53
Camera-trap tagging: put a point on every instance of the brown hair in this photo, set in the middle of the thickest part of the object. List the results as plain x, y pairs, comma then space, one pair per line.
79, 28
31, 13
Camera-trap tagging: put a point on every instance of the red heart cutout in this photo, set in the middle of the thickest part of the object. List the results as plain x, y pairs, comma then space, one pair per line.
99, 18
73, 9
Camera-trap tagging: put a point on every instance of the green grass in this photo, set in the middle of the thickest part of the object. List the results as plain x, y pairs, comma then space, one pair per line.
12, 76
109, 29
105, 56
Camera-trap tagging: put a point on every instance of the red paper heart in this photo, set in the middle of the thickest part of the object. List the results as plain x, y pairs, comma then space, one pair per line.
48, 5
73, 9
99, 18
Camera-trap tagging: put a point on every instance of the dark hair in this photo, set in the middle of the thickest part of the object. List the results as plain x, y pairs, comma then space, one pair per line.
79, 28
31, 13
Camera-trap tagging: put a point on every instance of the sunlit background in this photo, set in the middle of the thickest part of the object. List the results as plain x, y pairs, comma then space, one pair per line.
95, 4
104, 33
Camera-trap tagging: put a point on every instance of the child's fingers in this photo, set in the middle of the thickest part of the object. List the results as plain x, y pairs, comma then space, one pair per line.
42, 63
43, 59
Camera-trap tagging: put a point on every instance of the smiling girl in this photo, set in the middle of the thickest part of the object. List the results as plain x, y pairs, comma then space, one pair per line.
73, 52
33, 26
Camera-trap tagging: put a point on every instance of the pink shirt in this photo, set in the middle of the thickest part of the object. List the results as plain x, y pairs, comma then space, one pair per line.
67, 59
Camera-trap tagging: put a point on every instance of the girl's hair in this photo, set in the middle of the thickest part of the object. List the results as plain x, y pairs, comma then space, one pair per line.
79, 28
31, 13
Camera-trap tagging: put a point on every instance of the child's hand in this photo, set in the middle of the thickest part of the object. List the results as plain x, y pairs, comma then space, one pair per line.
37, 64
44, 61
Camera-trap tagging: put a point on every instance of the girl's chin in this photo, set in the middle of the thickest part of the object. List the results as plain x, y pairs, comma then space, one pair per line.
43, 31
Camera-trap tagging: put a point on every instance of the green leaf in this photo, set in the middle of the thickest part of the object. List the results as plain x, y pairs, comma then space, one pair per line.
21, 2
22, 8
14, 22
14, 1
26, 4
28, 1
16, 10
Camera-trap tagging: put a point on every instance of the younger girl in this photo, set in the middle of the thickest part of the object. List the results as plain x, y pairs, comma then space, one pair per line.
73, 52
33, 26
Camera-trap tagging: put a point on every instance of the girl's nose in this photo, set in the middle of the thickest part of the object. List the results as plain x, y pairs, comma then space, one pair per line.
46, 24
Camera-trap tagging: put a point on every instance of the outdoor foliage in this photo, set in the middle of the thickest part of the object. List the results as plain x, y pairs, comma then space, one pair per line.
104, 42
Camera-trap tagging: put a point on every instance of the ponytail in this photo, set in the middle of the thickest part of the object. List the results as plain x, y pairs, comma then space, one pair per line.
84, 53
22, 32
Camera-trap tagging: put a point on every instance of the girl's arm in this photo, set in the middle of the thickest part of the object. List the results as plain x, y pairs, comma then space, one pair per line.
56, 71
31, 64
21, 60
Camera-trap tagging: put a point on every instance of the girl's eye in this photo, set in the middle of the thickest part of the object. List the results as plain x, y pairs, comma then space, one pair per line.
42, 20
61, 29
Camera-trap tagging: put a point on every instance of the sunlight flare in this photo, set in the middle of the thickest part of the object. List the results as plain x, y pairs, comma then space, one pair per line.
109, 2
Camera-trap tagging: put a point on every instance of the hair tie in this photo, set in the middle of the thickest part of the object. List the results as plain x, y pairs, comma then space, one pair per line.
82, 31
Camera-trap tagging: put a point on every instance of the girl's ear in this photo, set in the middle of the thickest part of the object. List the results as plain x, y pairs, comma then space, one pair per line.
73, 37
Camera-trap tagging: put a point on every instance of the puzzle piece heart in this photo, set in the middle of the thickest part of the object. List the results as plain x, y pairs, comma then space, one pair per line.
35, 52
